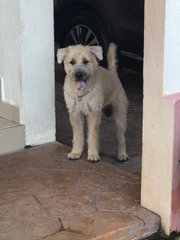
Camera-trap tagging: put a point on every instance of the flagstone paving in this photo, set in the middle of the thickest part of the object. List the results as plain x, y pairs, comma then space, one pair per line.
45, 196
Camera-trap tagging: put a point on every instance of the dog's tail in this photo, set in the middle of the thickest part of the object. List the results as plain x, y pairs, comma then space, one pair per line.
111, 58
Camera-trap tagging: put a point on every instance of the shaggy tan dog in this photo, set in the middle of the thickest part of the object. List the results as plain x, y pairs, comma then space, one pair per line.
88, 88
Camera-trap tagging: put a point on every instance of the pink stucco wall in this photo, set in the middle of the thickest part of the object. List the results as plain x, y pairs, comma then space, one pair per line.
176, 169
175, 214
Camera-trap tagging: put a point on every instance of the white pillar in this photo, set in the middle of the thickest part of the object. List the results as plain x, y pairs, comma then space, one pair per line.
10, 51
171, 83
161, 76
28, 65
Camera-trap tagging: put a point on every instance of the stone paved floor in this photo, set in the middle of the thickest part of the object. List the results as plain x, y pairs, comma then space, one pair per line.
45, 196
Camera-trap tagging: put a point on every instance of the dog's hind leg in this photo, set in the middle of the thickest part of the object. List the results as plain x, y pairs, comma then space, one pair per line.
120, 115
94, 121
77, 123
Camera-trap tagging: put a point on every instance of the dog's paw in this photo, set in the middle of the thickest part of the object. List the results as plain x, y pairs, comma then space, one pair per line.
93, 157
73, 156
122, 157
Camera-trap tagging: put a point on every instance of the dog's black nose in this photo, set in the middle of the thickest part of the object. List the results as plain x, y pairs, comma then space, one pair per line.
78, 75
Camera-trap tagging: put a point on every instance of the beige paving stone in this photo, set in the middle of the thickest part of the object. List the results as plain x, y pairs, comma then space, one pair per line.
17, 167
27, 229
1, 200
65, 235
27, 206
101, 182
99, 168
102, 225
150, 221
17, 189
92, 189
68, 200
29, 186
102, 166
114, 202
75, 165
132, 190
60, 178
26, 220
30, 163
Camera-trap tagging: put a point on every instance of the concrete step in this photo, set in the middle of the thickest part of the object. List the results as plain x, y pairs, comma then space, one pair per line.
12, 136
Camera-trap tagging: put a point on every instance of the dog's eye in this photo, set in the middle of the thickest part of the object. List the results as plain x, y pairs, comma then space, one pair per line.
85, 61
72, 62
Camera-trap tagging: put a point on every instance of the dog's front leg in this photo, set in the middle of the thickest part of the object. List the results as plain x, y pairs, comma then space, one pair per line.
94, 121
77, 123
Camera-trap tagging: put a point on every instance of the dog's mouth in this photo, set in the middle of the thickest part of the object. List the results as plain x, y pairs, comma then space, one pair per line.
81, 84
80, 78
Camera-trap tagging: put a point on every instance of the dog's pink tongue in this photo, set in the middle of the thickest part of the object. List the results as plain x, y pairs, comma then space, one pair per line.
80, 85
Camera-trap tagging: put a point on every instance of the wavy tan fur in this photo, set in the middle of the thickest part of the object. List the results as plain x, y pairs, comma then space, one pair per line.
103, 88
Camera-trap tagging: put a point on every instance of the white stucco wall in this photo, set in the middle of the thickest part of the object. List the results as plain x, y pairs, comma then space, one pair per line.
37, 70
10, 51
172, 48
27, 65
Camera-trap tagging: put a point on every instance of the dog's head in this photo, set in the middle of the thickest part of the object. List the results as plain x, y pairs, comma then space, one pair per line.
80, 62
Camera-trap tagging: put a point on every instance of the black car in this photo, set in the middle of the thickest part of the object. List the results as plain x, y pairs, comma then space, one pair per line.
98, 22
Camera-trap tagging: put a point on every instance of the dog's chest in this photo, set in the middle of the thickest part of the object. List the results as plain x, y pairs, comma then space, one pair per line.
86, 104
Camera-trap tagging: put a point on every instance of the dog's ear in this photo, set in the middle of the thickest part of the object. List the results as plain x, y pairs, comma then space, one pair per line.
61, 54
97, 51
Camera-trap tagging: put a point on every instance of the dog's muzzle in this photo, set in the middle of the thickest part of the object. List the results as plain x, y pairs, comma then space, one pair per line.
80, 78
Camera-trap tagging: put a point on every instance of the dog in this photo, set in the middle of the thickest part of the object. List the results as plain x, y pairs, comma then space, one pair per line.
88, 88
